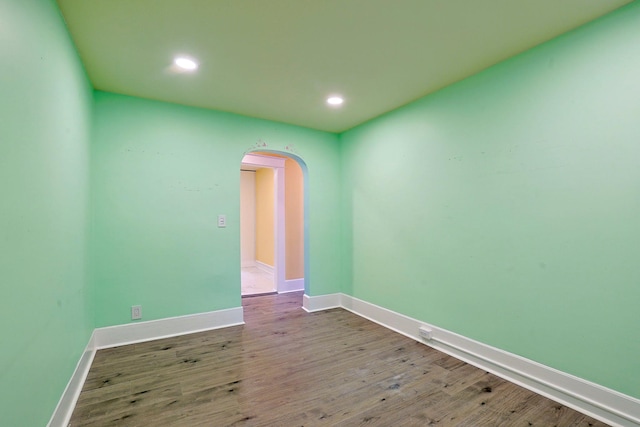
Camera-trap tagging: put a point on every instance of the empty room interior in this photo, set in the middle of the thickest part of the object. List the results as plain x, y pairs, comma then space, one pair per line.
468, 192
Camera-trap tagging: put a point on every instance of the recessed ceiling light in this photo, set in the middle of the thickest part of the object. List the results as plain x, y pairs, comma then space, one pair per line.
335, 100
185, 63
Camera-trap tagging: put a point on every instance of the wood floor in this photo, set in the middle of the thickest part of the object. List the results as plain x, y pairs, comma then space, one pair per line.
286, 367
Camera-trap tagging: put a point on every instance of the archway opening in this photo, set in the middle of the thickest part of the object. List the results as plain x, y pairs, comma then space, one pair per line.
273, 217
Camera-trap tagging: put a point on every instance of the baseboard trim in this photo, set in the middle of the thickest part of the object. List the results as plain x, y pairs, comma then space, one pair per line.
320, 302
131, 333
599, 402
293, 285
62, 414
266, 268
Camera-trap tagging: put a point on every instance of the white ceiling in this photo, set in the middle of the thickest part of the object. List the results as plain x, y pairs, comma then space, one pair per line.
280, 59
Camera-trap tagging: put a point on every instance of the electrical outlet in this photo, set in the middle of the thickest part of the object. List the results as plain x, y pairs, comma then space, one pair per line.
222, 221
136, 312
426, 332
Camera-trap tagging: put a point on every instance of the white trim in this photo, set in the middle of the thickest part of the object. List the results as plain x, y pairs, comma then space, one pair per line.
257, 160
589, 398
265, 268
292, 285
320, 302
64, 409
131, 333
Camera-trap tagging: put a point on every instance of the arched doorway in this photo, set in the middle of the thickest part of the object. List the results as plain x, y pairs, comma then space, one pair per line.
273, 223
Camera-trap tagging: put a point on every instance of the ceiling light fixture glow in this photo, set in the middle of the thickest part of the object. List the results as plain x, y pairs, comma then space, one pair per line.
186, 63
335, 100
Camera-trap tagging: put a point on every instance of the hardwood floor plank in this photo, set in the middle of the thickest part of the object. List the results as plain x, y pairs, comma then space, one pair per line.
286, 367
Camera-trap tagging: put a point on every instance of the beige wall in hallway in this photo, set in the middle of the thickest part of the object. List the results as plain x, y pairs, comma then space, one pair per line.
265, 221
247, 218
294, 219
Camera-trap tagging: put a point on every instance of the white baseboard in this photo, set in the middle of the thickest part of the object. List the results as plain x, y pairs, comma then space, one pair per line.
62, 414
131, 333
320, 302
293, 285
266, 268
599, 402
247, 264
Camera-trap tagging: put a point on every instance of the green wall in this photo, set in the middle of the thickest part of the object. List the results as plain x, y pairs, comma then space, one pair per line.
45, 116
160, 175
506, 208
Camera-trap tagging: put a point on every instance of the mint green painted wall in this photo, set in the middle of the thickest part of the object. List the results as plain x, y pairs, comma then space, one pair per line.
161, 173
45, 103
506, 208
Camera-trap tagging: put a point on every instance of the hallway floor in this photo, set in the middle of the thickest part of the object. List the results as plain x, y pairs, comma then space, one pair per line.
255, 281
